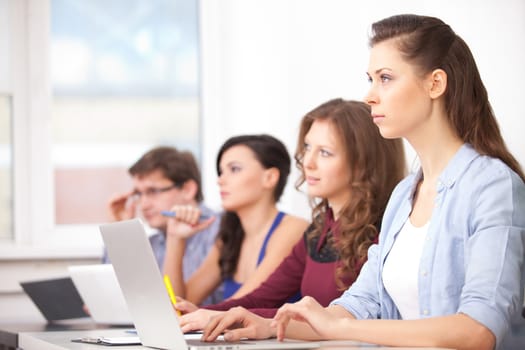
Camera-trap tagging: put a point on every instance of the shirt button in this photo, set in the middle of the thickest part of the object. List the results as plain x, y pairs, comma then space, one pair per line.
424, 273
425, 312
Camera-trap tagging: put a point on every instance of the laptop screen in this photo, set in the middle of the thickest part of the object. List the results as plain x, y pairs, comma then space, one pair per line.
57, 299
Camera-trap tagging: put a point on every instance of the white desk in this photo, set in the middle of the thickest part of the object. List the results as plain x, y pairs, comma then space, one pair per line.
61, 340
9, 330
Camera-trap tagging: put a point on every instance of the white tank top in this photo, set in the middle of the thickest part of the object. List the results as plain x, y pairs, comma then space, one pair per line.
401, 270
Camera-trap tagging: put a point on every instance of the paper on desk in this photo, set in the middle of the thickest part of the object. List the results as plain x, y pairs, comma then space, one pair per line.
119, 340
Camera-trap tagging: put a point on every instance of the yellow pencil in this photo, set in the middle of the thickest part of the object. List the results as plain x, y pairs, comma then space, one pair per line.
167, 282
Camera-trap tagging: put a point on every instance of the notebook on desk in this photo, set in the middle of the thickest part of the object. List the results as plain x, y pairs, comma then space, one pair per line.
141, 283
56, 298
100, 290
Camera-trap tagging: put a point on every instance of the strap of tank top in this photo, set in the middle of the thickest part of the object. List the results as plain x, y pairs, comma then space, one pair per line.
275, 223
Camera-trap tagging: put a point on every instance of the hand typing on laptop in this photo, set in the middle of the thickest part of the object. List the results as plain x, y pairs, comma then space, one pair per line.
193, 318
195, 321
236, 324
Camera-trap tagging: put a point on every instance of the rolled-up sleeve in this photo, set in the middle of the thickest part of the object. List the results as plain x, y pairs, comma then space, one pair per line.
495, 251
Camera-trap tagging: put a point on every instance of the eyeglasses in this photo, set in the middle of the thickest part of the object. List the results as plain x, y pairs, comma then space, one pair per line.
152, 192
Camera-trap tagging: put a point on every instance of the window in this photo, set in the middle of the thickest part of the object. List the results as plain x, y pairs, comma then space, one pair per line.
124, 78
109, 80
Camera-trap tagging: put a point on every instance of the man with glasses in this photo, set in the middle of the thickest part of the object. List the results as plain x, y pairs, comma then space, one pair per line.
162, 178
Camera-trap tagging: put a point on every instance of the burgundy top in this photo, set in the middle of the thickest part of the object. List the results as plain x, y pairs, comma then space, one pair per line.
310, 269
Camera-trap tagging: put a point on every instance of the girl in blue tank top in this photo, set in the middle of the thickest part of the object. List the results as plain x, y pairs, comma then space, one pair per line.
230, 285
252, 171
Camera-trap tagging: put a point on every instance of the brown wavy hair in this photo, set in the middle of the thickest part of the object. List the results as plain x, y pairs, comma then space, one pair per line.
375, 166
429, 43
271, 153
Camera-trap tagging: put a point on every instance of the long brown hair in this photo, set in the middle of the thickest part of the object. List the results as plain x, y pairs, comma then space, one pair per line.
375, 166
271, 153
429, 44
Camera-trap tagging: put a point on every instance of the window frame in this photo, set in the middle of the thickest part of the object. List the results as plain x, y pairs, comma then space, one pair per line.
35, 234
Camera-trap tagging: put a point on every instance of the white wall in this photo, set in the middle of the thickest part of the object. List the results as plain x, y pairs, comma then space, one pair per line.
267, 62
4, 45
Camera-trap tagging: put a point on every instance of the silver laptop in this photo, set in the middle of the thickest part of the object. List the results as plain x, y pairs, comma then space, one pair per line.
99, 288
141, 283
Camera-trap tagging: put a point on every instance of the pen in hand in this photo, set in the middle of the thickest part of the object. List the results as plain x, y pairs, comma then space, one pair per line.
172, 214
170, 292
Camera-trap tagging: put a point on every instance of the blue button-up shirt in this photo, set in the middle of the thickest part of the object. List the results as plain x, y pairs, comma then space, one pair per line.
473, 259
